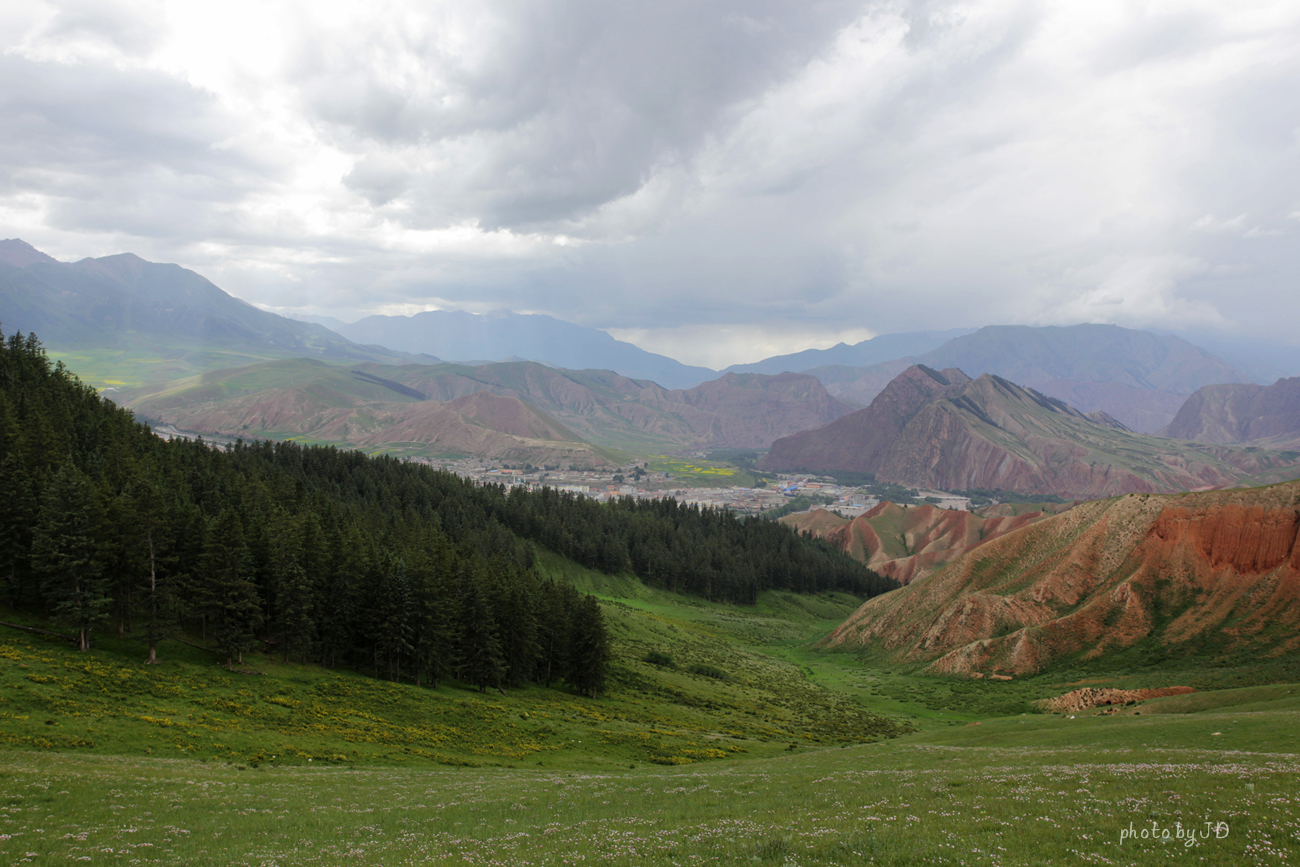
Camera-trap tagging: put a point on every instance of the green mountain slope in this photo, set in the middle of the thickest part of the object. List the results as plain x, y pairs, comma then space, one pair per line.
127, 321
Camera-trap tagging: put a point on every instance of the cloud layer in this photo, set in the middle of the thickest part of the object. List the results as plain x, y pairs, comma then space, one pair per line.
788, 174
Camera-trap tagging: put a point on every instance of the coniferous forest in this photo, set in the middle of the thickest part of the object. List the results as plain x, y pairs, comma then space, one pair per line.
335, 557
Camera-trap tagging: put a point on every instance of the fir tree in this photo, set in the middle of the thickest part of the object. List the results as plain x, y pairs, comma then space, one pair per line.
229, 595
589, 649
64, 551
481, 662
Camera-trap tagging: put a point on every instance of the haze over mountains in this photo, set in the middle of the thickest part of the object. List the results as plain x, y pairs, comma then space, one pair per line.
1242, 413
1067, 394
125, 304
455, 335
1138, 377
375, 404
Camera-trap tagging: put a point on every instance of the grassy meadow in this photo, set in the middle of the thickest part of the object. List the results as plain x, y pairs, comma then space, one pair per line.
725, 738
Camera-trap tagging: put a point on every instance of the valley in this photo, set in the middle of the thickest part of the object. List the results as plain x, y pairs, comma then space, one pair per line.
667, 765
545, 622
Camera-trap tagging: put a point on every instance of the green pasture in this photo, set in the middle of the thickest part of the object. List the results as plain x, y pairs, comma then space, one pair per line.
725, 738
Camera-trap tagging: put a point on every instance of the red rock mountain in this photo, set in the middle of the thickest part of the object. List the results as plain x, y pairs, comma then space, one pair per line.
941, 429
1253, 414
1204, 574
908, 543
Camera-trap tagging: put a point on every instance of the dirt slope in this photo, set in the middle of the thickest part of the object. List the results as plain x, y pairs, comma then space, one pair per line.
1206, 574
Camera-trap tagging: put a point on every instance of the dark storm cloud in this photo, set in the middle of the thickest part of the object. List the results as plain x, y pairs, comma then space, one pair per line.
560, 109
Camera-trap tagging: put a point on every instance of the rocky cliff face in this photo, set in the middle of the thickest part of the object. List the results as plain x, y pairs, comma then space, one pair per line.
944, 430
909, 543
1253, 414
1202, 574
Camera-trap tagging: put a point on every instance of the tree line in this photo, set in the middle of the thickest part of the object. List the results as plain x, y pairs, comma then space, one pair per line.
317, 554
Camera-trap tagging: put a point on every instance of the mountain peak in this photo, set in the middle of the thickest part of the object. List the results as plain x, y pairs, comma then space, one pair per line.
20, 254
947, 432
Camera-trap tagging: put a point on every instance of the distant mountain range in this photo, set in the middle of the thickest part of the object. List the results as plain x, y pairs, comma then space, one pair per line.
944, 430
1137, 377
1198, 576
155, 321
123, 322
375, 404
879, 349
459, 336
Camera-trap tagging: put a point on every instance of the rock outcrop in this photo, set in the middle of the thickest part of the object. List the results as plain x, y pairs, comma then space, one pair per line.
1209, 574
1089, 697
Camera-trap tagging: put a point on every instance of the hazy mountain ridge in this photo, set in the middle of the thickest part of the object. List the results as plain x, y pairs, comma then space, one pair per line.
124, 302
947, 431
463, 337
881, 348
601, 407
1201, 574
1243, 414
302, 398
1137, 377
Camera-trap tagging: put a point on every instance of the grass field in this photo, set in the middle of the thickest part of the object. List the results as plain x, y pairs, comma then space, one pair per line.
701, 474
747, 746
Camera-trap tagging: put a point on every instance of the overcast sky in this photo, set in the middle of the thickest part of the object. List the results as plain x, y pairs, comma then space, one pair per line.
719, 181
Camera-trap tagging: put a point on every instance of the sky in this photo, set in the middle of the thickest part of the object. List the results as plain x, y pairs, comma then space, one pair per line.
716, 181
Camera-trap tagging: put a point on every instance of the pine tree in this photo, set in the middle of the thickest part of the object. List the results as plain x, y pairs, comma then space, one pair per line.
229, 595
481, 662
393, 610
589, 649
296, 606
19, 508
65, 555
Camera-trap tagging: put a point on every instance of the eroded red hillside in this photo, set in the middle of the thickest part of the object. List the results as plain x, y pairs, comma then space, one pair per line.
906, 543
1207, 573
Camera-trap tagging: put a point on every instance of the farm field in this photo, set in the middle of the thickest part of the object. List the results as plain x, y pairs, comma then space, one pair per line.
740, 744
